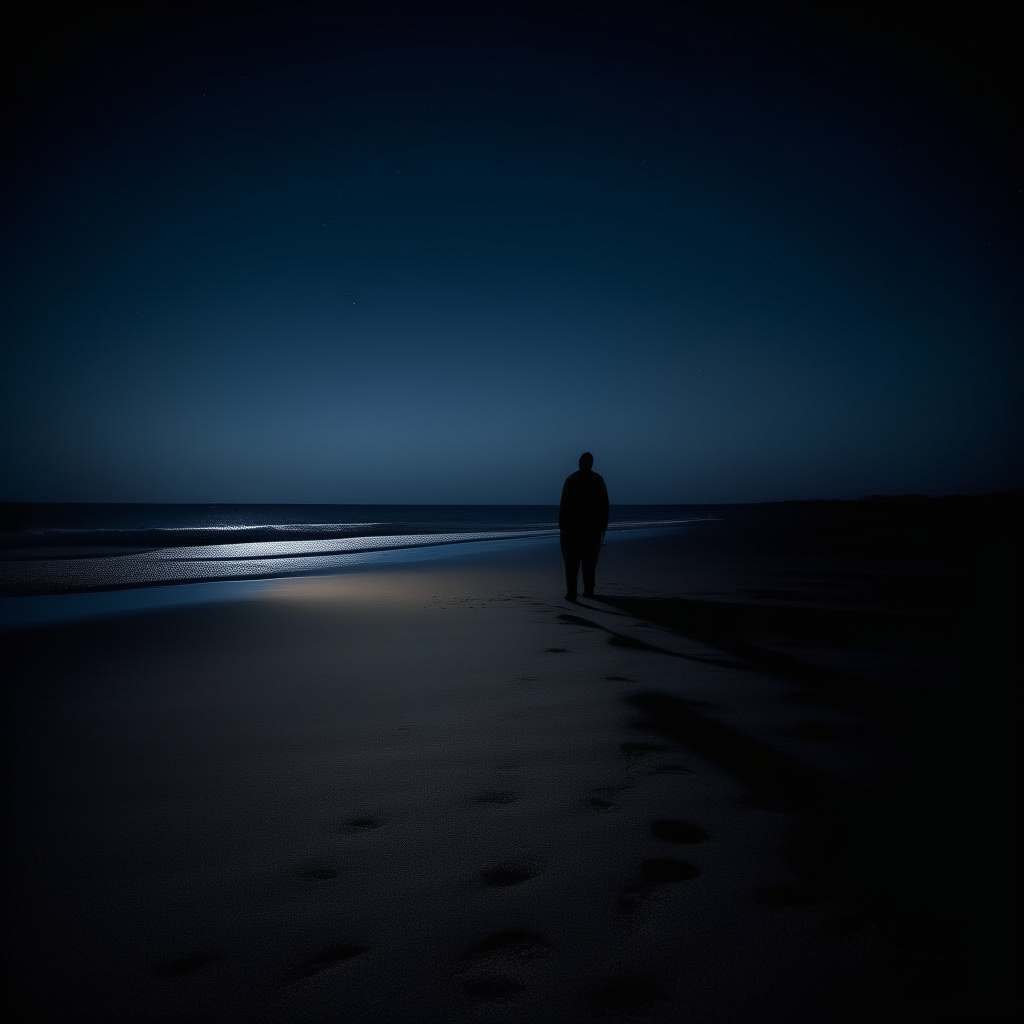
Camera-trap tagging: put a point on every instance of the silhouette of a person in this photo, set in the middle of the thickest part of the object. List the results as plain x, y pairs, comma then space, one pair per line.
582, 521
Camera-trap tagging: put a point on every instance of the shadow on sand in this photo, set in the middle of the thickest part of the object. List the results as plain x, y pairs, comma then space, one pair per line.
927, 853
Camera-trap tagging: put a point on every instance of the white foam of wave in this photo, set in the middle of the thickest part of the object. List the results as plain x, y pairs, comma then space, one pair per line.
335, 545
221, 561
113, 531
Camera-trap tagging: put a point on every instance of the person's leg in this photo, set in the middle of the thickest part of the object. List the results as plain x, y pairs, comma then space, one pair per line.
571, 555
589, 560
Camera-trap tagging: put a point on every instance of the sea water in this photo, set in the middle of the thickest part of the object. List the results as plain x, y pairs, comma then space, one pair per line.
57, 559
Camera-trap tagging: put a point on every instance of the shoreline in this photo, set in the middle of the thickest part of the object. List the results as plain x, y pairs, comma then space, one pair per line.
172, 566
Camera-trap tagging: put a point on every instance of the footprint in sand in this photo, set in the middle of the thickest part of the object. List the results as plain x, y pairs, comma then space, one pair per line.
655, 872
502, 797
495, 966
504, 948
633, 748
669, 831
183, 965
364, 824
599, 799
328, 958
501, 875
621, 640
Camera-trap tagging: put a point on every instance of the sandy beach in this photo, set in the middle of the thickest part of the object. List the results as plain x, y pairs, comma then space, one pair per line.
768, 774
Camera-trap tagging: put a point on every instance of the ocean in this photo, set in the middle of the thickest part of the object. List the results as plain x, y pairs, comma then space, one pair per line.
53, 550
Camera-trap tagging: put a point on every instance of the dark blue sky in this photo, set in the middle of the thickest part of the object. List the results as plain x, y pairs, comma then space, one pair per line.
739, 253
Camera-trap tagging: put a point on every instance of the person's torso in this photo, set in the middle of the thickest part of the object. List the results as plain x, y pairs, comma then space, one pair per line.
585, 500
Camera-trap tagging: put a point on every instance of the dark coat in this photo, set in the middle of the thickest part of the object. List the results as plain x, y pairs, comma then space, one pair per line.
583, 510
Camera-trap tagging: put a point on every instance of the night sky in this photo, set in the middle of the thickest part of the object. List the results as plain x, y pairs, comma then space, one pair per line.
268, 253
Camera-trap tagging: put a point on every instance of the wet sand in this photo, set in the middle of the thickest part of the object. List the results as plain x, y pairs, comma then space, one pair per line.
768, 775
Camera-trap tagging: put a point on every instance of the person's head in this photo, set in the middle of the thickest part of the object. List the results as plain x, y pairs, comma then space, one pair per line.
586, 462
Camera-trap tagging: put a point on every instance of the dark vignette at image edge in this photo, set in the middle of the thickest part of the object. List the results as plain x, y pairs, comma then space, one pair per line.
934, 857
